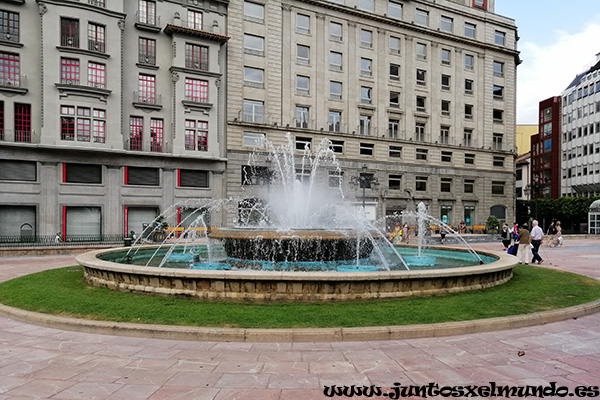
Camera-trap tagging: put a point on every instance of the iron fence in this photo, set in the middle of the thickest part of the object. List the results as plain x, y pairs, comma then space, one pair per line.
69, 240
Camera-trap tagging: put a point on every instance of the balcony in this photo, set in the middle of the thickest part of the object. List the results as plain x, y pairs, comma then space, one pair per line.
17, 136
201, 65
69, 41
14, 84
188, 28
95, 45
135, 143
151, 101
148, 22
11, 35
196, 102
97, 3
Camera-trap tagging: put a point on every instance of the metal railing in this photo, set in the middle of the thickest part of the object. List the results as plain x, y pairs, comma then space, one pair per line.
147, 98
9, 135
50, 240
11, 35
17, 81
95, 45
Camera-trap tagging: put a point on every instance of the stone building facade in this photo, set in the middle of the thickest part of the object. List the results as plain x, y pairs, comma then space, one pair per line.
422, 93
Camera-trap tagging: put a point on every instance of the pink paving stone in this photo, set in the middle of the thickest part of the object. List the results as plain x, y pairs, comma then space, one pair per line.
285, 367
337, 367
235, 380
323, 356
40, 388
373, 366
301, 394
248, 394
241, 367
146, 377
343, 379
280, 356
134, 392
194, 379
187, 365
179, 393
87, 390
294, 381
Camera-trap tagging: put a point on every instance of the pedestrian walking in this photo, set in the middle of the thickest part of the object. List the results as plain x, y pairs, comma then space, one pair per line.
537, 234
524, 251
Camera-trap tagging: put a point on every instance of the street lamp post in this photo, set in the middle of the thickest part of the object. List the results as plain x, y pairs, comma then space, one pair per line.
364, 181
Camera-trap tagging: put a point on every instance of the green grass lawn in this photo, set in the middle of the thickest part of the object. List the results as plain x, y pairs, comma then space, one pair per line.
64, 292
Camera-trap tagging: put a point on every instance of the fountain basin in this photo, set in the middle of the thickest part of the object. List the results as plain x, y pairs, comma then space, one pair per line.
294, 245
264, 286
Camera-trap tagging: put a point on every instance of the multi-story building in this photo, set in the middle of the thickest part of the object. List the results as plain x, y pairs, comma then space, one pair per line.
110, 112
545, 152
581, 134
422, 93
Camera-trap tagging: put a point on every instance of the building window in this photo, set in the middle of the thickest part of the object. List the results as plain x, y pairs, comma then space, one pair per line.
301, 117
142, 176
446, 156
445, 82
479, 3
67, 123
366, 67
302, 85
470, 30
196, 135
82, 173
10, 70
365, 125
470, 159
469, 111
497, 187
446, 56
421, 17
157, 133
253, 111
252, 139
335, 90
421, 101
500, 38
365, 95
394, 45
69, 32
469, 62
421, 183
420, 132
366, 149
498, 92
254, 12
335, 61
497, 141
96, 37
394, 72
335, 31
196, 57
196, 90
147, 89
84, 125
192, 178
334, 121
147, 12
421, 154
498, 69
498, 161
395, 182
147, 51
194, 19
303, 143
446, 24
366, 5
395, 10
395, 99
421, 51
446, 108
337, 146
335, 179
99, 125
136, 133
96, 75
498, 116
366, 38
302, 54
395, 152
254, 45
9, 26
468, 86
469, 185
302, 23
468, 137
445, 185
393, 128
421, 73
69, 71
444, 134
254, 77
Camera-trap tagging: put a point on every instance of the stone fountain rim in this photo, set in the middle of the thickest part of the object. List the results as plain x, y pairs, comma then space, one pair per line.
90, 259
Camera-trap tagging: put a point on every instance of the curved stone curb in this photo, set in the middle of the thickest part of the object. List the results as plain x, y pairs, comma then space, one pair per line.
298, 335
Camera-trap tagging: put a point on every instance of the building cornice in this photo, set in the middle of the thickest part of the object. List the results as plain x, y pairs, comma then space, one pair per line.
84, 6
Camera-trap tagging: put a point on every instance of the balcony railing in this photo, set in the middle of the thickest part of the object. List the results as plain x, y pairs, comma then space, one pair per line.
98, 3
50, 240
196, 99
194, 64
148, 59
147, 98
22, 136
147, 19
134, 144
69, 81
10, 35
16, 81
95, 45
69, 41
156, 147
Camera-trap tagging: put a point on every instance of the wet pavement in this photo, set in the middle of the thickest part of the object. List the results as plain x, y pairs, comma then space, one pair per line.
45, 363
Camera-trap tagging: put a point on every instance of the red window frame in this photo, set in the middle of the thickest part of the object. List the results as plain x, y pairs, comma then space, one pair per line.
147, 51
156, 135
10, 69
196, 56
96, 37
96, 75
195, 19
483, 6
9, 26
69, 32
136, 133
147, 89
1, 120
196, 90
202, 134
69, 71
23, 123
147, 12
190, 134
83, 129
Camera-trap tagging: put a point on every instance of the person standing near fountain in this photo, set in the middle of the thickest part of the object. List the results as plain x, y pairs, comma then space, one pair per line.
405, 233
506, 239
524, 251
537, 234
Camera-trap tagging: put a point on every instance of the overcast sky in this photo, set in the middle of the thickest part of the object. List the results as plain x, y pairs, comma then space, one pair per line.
559, 39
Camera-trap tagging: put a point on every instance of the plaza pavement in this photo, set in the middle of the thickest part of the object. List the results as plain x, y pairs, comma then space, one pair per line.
44, 363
